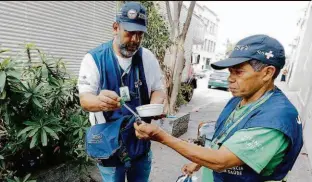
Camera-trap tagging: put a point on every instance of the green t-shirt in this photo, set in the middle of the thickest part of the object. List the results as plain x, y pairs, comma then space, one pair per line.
262, 149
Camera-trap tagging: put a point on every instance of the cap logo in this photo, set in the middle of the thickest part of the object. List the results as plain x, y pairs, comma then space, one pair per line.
132, 14
269, 55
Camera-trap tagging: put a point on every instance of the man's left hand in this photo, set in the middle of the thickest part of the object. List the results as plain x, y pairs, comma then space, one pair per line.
148, 131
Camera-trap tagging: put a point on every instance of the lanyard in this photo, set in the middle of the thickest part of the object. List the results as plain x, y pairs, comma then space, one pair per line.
123, 74
250, 108
137, 84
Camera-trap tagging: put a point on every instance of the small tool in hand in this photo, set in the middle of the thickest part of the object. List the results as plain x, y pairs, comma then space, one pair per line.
138, 118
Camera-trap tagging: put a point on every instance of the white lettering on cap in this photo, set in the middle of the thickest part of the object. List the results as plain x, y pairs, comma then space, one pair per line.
241, 47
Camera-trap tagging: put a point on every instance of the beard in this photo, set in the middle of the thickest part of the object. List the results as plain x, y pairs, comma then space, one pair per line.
127, 49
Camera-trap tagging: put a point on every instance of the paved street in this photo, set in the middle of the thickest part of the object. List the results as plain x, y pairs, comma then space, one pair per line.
206, 105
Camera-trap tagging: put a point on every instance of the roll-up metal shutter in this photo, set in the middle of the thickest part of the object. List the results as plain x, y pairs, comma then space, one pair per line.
62, 29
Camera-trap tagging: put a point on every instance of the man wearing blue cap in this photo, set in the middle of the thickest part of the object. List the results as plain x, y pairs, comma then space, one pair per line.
258, 135
115, 70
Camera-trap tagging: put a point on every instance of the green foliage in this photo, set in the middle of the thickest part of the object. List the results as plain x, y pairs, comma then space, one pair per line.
184, 90
39, 113
25, 179
157, 38
40, 128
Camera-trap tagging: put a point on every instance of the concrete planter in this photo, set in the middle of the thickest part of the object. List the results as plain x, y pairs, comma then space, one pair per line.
175, 126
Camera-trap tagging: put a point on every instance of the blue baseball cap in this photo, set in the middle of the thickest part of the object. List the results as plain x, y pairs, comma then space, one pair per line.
132, 16
257, 47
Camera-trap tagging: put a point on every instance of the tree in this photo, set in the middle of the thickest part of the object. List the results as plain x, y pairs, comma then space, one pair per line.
229, 47
177, 60
157, 38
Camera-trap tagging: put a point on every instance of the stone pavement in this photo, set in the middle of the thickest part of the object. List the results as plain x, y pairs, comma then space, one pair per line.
206, 105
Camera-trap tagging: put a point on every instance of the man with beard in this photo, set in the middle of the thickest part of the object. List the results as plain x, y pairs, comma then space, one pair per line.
115, 70
258, 135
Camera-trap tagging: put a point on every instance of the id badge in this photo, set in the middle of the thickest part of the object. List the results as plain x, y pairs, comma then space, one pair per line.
124, 93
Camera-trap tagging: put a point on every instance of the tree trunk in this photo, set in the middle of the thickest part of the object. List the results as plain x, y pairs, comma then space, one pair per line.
176, 82
177, 60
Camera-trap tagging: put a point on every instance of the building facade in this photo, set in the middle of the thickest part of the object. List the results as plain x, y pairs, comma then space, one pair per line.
64, 29
300, 74
205, 53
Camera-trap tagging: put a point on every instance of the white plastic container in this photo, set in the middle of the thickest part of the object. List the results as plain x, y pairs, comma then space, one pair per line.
150, 110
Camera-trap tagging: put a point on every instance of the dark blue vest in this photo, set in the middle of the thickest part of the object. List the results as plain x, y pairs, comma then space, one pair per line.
277, 113
103, 140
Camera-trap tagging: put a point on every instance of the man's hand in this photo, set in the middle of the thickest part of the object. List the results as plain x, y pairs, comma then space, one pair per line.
189, 169
148, 131
109, 100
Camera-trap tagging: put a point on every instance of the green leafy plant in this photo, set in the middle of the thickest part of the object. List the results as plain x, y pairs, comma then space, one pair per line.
184, 91
157, 38
40, 115
41, 128
25, 179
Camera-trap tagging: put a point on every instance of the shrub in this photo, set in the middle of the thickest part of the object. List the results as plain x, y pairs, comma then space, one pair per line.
41, 121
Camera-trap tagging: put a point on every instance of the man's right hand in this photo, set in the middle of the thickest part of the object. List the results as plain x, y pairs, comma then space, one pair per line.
109, 100
190, 168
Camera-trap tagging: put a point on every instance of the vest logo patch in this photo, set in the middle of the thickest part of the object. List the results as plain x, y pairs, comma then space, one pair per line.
83, 80
238, 170
298, 120
252, 144
96, 138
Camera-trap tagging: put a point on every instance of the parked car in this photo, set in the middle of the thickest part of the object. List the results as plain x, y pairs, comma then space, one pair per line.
219, 78
202, 73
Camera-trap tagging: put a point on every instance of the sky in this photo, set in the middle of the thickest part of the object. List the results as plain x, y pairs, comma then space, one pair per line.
239, 19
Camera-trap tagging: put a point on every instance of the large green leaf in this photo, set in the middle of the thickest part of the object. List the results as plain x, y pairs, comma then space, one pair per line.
51, 132
27, 95
33, 132
5, 62
38, 87
23, 86
29, 123
10, 180
4, 50
16, 179
41, 97
14, 74
26, 177
13, 79
1, 157
2, 80
35, 100
75, 132
44, 139
33, 141
80, 133
3, 95
25, 130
